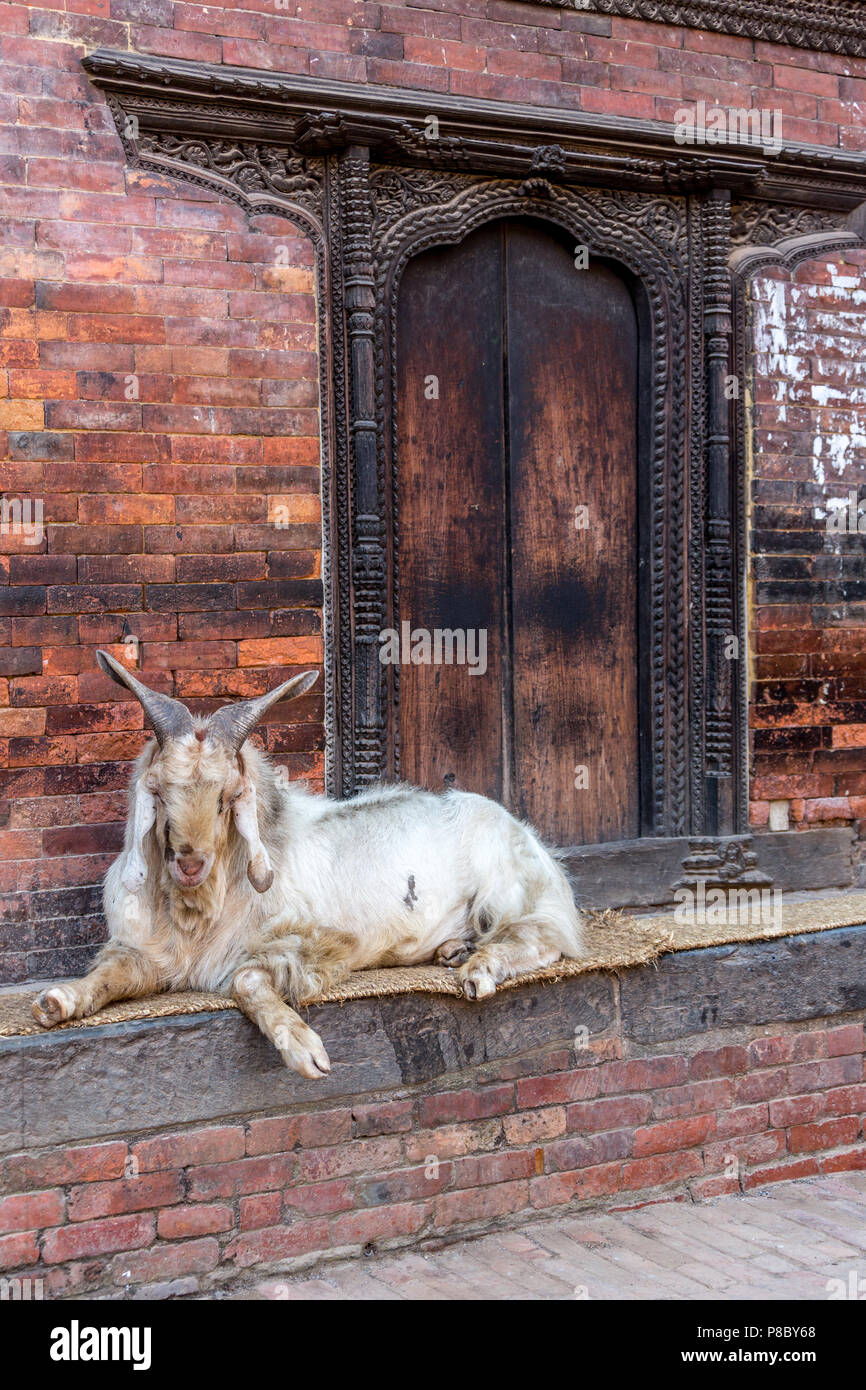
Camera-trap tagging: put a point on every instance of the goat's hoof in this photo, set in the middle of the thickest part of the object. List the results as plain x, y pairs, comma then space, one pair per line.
453, 952
303, 1051
477, 982
53, 1006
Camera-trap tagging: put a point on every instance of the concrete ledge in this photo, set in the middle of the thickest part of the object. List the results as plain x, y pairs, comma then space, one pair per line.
62, 1088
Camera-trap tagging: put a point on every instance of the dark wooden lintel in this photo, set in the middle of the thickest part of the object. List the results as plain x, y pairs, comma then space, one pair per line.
313, 116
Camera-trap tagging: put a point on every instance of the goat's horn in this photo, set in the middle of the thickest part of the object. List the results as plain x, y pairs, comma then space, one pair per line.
170, 719
233, 724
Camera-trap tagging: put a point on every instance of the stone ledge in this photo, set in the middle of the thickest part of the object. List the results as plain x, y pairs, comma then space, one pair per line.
62, 1088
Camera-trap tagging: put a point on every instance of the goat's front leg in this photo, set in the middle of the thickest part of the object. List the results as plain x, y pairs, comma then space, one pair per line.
121, 972
300, 1048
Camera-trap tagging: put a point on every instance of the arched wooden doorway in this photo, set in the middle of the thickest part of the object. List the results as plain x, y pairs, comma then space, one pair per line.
518, 493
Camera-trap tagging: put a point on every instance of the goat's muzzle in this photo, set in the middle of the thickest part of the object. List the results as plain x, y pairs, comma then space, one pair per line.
190, 871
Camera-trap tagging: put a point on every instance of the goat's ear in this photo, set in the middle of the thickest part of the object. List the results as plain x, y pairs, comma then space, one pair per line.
134, 872
246, 818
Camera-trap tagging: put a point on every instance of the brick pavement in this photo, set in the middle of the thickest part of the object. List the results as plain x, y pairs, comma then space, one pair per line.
787, 1241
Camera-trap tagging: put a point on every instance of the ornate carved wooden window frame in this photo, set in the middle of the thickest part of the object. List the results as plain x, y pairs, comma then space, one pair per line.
354, 168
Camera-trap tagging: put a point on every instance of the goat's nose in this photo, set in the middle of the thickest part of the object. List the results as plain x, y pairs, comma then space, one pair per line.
191, 864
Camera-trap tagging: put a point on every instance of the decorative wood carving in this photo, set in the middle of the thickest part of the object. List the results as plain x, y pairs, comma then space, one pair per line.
834, 26
719, 596
722, 863
352, 166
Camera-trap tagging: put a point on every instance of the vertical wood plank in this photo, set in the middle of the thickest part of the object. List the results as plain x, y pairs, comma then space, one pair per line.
572, 413
450, 507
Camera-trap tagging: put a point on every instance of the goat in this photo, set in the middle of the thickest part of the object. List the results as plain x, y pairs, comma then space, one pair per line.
232, 879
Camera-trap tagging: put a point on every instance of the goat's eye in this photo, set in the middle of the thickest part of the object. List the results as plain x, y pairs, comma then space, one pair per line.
220, 806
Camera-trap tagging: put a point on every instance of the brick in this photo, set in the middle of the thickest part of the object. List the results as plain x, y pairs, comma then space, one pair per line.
552, 1090
29, 752
324, 1127
92, 1163
587, 1152
276, 1243
131, 1194
31, 1211
781, 1172
320, 1199
845, 1100
704, 1188
387, 1117
829, 1134
23, 599
167, 1261
189, 1148
558, 1189
673, 1134
449, 1141
481, 1170
816, 1076
259, 1211
449, 1106
744, 1119
18, 1251
797, 1110
281, 651
42, 569
277, 1135
477, 1205
796, 1047
405, 1185
747, 1149
619, 1113
318, 1165
98, 1237
109, 509
762, 1085
725, 1061
532, 1126
698, 1097
661, 1169
19, 722
21, 661
175, 598
642, 1075
179, 1223
845, 1040
242, 1176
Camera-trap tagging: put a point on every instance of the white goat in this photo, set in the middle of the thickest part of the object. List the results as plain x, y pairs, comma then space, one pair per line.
232, 879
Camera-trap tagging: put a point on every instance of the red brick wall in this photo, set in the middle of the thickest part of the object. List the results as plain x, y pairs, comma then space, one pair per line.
158, 504
809, 615
514, 1141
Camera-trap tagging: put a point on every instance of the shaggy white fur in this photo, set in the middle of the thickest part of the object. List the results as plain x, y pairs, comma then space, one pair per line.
233, 879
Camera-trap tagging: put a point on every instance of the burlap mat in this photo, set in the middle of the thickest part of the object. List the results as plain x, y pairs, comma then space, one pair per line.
618, 941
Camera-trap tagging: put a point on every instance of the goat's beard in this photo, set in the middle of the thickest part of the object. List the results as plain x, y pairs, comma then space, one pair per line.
191, 907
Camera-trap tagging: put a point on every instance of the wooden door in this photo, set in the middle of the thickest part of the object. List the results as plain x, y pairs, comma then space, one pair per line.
517, 439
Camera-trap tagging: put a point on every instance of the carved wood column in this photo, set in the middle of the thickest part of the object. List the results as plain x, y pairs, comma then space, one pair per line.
368, 550
720, 609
